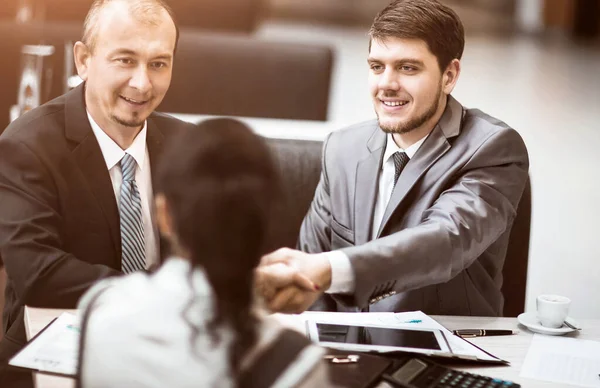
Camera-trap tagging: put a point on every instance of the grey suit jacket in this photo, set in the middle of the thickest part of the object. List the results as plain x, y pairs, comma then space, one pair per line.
443, 239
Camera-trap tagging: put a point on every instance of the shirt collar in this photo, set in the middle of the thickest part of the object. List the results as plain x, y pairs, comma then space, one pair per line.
113, 153
391, 147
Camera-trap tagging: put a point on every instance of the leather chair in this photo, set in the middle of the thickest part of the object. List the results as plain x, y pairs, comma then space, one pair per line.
2, 288
300, 164
517, 258
242, 76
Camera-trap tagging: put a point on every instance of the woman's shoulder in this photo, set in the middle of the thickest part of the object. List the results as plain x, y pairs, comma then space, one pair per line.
119, 290
138, 288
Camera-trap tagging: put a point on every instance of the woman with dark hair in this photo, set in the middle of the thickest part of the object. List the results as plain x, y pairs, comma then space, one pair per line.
194, 322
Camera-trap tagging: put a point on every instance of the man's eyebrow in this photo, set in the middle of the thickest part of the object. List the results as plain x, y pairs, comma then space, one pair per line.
167, 57
125, 51
412, 61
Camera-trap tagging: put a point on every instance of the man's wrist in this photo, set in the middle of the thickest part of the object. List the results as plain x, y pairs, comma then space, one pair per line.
323, 279
342, 276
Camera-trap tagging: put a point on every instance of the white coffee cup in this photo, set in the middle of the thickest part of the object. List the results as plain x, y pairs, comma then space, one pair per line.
552, 310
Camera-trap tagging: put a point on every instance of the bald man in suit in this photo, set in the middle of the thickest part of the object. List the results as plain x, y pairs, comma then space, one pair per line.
65, 219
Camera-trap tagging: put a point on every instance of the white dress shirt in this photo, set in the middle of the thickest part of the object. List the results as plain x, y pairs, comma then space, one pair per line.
113, 154
342, 276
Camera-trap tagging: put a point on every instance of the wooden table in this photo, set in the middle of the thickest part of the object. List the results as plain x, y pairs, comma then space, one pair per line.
511, 348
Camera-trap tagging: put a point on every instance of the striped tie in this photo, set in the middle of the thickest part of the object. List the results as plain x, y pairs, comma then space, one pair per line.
400, 160
132, 228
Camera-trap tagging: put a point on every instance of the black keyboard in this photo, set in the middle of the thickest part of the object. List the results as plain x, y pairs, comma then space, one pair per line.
412, 372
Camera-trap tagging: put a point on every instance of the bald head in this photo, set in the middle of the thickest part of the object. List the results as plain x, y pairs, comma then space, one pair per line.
150, 12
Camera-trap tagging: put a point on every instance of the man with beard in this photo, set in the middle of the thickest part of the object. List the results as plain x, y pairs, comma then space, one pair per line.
75, 177
413, 210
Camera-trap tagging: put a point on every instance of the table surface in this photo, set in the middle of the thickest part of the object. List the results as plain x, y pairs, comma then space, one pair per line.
511, 348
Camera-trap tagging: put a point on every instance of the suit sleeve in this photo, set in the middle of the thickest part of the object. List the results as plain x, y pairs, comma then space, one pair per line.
473, 212
315, 233
31, 237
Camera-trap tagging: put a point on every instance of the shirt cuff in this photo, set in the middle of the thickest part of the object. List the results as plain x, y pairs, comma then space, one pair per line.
342, 276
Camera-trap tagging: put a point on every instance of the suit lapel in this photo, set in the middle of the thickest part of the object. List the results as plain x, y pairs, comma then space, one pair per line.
367, 176
434, 147
154, 141
90, 160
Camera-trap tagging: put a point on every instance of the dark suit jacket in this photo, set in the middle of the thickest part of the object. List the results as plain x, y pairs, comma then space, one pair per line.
443, 239
59, 221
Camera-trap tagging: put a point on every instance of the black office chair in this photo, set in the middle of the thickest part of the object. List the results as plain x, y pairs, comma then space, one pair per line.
299, 165
517, 258
2, 290
242, 76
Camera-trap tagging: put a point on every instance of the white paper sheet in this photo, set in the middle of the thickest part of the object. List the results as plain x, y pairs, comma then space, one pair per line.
563, 360
54, 350
412, 318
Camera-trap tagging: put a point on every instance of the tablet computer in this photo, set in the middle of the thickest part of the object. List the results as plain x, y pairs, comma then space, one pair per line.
369, 338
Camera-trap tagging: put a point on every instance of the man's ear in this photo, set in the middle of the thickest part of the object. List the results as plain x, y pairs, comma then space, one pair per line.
450, 76
81, 54
163, 217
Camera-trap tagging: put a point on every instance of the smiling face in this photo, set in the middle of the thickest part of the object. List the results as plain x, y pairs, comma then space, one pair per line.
128, 69
408, 89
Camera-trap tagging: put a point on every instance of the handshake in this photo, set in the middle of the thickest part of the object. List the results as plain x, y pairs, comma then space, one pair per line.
290, 281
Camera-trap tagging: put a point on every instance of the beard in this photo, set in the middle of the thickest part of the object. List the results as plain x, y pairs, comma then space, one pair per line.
415, 122
134, 122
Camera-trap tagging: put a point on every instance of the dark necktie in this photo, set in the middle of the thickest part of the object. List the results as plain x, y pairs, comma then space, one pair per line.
132, 228
400, 160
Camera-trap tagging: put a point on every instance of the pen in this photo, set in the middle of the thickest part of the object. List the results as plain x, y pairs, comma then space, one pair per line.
469, 333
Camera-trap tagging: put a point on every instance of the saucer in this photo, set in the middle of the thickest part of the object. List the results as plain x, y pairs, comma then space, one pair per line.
530, 321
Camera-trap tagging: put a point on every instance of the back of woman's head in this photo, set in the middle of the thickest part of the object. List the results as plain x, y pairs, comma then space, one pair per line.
219, 182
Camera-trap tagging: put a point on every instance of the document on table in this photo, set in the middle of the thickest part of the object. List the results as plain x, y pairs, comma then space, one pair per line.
54, 350
417, 319
563, 360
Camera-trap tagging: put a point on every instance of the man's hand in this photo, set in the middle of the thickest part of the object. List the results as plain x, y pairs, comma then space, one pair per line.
269, 279
290, 296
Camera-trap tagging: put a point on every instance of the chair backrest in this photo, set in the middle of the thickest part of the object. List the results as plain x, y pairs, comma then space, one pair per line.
517, 258
243, 76
299, 164
2, 291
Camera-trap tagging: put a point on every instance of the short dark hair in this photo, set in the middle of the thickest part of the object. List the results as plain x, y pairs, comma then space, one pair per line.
219, 181
428, 20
